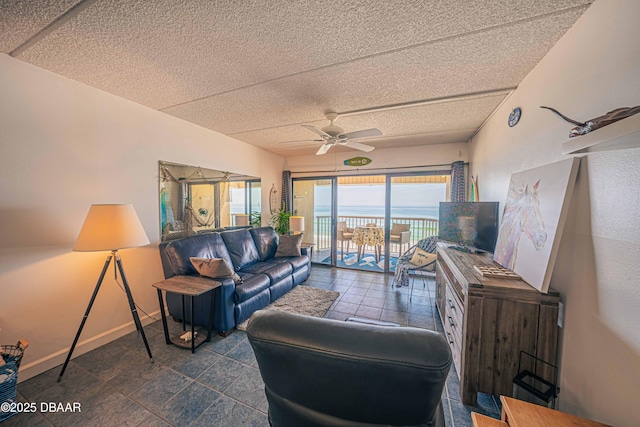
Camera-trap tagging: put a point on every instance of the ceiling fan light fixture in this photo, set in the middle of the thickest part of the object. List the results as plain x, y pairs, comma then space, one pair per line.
333, 130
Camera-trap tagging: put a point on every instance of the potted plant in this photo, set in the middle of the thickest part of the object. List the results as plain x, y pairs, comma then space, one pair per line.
280, 221
255, 219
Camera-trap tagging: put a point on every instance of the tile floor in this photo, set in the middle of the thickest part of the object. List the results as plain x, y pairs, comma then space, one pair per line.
220, 384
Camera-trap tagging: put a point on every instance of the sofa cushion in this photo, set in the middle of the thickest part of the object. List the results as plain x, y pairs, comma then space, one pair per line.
275, 271
280, 288
216, 268
241, 248
252, 285
296, 262
266, 241
301, 274
209, 245
289, 245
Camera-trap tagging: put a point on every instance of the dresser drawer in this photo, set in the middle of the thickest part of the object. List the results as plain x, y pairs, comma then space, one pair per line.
456, 345
453, 324
454, 313
451, 279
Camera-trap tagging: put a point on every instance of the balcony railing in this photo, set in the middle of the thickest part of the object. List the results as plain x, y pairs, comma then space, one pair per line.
419, 227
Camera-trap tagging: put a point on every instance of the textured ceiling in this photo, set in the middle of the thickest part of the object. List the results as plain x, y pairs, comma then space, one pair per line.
256, 70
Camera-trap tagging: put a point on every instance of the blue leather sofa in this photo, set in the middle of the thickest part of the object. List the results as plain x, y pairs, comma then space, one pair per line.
251, 253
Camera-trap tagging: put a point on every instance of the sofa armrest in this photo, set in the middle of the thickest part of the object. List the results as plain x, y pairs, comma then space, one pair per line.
224, 315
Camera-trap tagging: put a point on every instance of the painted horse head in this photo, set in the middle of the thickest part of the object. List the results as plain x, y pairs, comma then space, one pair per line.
531, 223
521, 216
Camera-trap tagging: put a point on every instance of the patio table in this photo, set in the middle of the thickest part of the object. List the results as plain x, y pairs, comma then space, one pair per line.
368, 236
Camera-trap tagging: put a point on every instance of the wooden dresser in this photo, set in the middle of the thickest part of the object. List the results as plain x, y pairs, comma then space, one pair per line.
489, 321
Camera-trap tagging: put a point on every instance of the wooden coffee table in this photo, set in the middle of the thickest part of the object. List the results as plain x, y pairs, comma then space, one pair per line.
187, 286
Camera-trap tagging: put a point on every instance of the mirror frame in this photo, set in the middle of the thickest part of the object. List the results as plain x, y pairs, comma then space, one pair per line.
178, 213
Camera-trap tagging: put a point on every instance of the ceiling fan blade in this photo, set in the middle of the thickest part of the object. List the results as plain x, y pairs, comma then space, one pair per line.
318, 131
323, 149
361, 134
358, 146
301, 140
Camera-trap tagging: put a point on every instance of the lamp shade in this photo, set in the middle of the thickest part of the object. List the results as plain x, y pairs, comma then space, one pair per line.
111, 227
296, 224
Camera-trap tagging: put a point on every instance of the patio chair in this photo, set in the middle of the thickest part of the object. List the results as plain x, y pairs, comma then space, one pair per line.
344, 235
405, 270
400, 235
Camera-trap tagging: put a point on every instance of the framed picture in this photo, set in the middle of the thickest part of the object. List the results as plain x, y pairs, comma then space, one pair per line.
533, 219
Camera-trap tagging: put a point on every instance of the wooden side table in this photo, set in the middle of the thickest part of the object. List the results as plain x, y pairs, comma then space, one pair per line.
309, 247
187, 286
518, 413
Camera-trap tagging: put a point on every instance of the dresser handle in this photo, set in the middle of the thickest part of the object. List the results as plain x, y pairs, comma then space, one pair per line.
453, 325
450, 339
451, 305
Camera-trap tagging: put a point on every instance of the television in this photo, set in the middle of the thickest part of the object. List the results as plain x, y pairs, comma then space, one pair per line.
472, 225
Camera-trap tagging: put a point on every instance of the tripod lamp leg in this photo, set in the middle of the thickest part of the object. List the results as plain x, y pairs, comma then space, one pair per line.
86, 314
132, 305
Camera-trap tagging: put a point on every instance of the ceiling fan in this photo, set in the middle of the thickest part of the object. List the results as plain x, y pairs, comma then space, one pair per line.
332, 135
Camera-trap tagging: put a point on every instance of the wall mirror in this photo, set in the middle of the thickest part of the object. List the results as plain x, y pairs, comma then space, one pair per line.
197, 200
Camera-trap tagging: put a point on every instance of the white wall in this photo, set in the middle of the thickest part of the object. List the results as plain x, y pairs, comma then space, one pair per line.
63, 147
381, 158
593, 69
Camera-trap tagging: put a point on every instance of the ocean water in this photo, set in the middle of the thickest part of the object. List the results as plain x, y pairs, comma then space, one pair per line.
430, 212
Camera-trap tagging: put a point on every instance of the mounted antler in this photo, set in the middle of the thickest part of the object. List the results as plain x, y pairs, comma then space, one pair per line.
598, 122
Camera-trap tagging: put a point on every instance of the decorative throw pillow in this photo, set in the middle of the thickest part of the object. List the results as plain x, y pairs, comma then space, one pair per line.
421, 258
216, 268
289, 245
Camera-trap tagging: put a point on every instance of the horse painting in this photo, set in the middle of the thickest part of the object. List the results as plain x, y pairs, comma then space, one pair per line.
521, 216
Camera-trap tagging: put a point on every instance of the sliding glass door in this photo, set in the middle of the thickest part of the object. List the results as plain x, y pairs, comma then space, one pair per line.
366, 222
414, 201
361, 222
314, 200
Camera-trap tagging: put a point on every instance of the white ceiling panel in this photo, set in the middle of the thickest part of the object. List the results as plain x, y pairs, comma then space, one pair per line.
21, 20
251, 68
443, 121
473, 63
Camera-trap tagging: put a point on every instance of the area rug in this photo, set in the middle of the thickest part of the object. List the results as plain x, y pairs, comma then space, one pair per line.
367, 262
301, 300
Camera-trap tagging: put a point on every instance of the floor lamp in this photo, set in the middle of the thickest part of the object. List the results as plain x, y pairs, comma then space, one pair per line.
110, 228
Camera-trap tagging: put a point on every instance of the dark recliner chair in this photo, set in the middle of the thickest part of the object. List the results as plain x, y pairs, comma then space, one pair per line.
322, 372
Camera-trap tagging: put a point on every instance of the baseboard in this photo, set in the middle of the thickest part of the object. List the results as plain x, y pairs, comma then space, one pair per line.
51, 361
